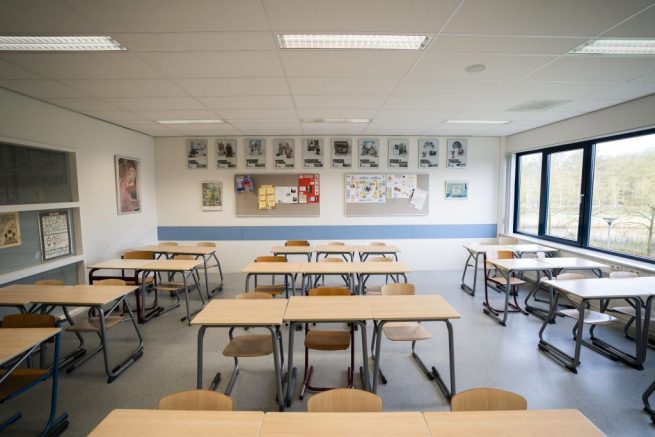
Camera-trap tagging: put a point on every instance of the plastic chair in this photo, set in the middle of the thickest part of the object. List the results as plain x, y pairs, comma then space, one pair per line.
327, 340
196, 400
345, 400
487, 399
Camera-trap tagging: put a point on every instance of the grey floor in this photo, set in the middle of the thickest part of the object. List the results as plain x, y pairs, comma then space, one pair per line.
486, 355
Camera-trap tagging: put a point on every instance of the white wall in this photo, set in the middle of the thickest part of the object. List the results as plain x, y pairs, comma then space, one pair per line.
178, 198
105, 234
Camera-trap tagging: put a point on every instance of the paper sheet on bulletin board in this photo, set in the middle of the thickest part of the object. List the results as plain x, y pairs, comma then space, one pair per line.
397, 189
247, 203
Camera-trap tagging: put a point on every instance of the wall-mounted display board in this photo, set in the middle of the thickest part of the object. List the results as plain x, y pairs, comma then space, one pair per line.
390, 194
296, 195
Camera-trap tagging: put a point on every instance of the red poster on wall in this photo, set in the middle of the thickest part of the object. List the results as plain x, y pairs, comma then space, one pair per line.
308, 190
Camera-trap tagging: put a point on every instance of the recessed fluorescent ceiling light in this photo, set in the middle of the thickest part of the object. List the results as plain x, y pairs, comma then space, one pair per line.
617, 47
476, 121
335, 120
190, 121
365, 42
58, 43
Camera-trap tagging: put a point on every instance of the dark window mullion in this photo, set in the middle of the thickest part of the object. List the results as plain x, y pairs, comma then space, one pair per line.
517, 193
588, 166
543, 201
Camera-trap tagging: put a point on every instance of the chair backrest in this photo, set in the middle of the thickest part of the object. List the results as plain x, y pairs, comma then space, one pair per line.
508, 240
332, 259
207, 400
397, 288
379, 259
184, 257
168, 243
296, 243
206, 244
487, 399
616, 275
254, 295
49, 282
109, 282
345, 400
138, 254
569, 276
336, 243
500, 254
377, 243
329, 291
29, 321
270, 259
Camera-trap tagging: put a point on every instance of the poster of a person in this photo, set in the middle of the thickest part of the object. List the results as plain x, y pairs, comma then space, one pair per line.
127, 184
369, 153
196, 153
226, 153
312, 152
285, 153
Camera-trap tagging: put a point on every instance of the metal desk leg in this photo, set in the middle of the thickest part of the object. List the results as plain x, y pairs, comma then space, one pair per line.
186, 297
365, 375
464, 286
644, 398
212, 293
201, 338
551, 350
277, 360
488, 310
291, 371
112, 374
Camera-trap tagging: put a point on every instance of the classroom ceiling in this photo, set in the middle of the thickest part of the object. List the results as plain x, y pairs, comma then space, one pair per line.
207, 59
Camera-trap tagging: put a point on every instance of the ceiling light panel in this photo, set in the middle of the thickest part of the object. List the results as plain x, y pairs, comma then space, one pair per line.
359, 42
490, 122
335, 120
616, 47
190, 121
58, 43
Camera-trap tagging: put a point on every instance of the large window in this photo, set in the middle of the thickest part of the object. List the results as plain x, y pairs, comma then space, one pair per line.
596, 194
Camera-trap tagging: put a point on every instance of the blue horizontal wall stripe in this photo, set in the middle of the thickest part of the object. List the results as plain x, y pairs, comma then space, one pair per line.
325, 232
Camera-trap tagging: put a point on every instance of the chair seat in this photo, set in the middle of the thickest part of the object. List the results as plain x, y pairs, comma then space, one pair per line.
19, 379
271, 289
628, 311
503, 281
93, 324
405, 331
374, 290
590, 316
254, 345
327, 340
170, 286
149, 280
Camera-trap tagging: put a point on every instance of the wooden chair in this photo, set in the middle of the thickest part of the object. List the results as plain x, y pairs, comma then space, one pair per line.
336, 243
273, 289
210, 265
377, 243
92, 323
196, 400
376, 290
168, 243
345, 400
139, 254
254, 295
49, 282
487, 399
321, 278
499, 282
508, 240
296, 243
327, 340
628, 311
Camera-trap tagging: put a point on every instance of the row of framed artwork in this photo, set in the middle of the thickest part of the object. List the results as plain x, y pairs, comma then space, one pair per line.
314, 154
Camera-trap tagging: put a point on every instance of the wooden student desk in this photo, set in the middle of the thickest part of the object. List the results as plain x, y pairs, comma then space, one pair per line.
406, 424
204, 252
366, 269
312, 270
285, 269
533, 423
251, 313
325, 309
414, 308
293, 250
179, 423
21, 343
347, 252
366, 251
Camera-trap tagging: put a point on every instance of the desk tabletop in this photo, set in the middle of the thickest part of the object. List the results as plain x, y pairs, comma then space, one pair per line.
328, 268
327, 308
645, 284
529, 248
329, 248
406, 424
267, 268
411, 307
21, 294
382, 268
177, 423
574, 263
292, 249
378, 249
117, 264
245, 312
478, 248
15, 341
533, 423
172, 265
520, 264
81, 295
591, 288
178, 250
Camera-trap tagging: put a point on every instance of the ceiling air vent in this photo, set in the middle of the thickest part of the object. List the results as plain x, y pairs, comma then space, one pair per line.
538, 105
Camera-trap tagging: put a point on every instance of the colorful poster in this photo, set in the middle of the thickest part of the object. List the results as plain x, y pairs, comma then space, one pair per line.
428, 152
266, 197
312, 152
196, 153
457, 153
401, 186
457, 190
342, 152
369, 153
55, 234
9, 230
226, 153
285, 153
398, 152
244, 184
256, 153
286, 194
365, 189
308, 188
212, 196
128, 196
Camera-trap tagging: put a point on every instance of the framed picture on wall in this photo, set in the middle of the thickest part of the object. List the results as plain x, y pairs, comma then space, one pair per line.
457, 190
212, 196
128, 182
55, 234
428, 152
369, 153
9, 230
196, 153
342, 152
457, 153
398, 152
226, 153
312, 152
285, 152
255, 153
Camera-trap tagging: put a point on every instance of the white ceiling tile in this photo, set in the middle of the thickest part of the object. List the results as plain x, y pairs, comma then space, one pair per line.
536, 17
595, 68
105, 65
533, 90
341, 86
195, 41
406, 126
430, 103
453, 130
199, 130
203, 114
41, 17
640, 26
482, 113
214, 64
335, 113
250, 114
334, 130
248, 102
348, 63
626, 91
156, 103
336, 102
405, 16
256, 131
499, 67
172, 15
645, 78
116, 116
586, 105
42, 88
83, 105
503, 45
11, 71
261, 86
264, 124
429, 87
148, 128
412, 114
127, 88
